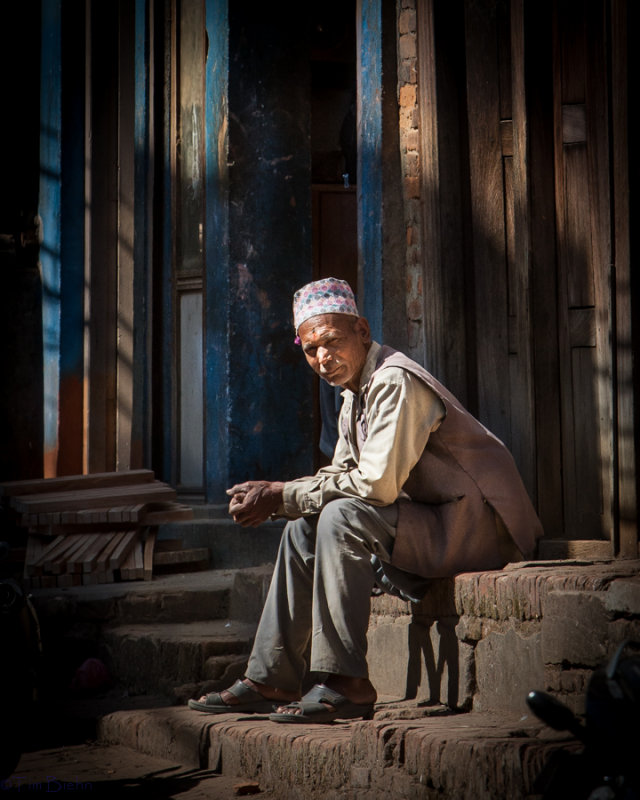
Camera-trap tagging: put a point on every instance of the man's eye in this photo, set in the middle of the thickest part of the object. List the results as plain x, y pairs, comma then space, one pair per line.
311, 352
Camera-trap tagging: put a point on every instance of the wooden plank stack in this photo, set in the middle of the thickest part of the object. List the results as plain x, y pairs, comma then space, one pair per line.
97, 528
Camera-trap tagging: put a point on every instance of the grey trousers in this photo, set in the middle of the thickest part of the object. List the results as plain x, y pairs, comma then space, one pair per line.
320, 594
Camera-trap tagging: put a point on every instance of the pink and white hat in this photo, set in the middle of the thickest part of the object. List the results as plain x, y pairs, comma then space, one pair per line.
326, 296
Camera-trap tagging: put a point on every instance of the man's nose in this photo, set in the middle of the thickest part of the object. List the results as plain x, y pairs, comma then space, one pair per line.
323, 354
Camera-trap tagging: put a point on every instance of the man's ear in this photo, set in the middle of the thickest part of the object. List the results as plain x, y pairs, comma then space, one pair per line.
361, 327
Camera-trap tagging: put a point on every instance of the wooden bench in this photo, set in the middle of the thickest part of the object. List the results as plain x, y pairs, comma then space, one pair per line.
96, 528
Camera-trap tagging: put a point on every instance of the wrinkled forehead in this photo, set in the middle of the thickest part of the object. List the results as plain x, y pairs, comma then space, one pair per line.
323, 325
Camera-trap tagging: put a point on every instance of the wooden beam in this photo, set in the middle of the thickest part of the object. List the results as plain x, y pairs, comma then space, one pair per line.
165, 349
442, 149
91, 498
487, 218
600, 168
124, 241
71, 418
585, 549
94, 480
521, 364
626, 538
103, 564
149, 547
122, 550
58, 565
543, 267
143, 233
49, 209
101, 279
132, 568
35, 566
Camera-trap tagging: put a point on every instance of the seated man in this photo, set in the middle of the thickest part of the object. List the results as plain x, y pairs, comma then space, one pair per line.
417, 489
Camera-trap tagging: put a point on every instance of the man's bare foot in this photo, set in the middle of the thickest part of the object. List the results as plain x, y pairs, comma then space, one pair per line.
357, 690
268, 692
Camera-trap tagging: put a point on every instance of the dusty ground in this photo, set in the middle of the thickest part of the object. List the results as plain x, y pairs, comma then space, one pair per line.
94, 770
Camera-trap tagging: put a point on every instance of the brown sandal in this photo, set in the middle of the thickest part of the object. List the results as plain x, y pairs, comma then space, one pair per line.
250, 702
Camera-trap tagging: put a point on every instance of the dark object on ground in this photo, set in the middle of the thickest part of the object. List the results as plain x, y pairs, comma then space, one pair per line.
20, 637
607, 767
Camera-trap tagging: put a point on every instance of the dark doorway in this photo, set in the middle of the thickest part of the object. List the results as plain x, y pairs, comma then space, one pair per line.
333, 176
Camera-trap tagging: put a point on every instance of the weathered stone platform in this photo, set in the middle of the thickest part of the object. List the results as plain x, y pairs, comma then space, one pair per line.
452, 673
474, 756
482, 641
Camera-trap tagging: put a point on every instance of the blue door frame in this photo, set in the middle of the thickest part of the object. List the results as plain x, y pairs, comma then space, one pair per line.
370, 244
237, 446
63, 147
278, 375
217, 286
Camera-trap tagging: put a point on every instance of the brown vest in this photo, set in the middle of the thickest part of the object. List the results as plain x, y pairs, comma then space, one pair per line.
465, 474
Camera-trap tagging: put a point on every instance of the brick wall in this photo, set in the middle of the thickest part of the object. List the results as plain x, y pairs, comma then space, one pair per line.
484, 640
409, 125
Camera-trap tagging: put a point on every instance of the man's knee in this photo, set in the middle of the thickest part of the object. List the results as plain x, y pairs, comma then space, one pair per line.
351, 521
341, 512
353, 510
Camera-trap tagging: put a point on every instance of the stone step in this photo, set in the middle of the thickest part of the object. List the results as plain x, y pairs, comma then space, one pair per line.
481, 641
119, 624
230, 545
177, 659
474, 756
477, 643
206, 595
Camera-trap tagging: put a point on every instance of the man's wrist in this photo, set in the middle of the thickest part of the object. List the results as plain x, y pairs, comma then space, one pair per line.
276, 488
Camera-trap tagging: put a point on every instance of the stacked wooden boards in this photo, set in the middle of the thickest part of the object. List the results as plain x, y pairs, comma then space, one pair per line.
87, 529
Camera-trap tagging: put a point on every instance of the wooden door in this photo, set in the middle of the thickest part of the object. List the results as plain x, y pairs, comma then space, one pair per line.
584, 261
335, 254
523, 146
335, 233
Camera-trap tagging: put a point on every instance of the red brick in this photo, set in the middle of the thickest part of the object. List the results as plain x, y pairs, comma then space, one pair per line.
411, 139
412, 164
407, 71
412, 186
407, 96
407, 46
407, 21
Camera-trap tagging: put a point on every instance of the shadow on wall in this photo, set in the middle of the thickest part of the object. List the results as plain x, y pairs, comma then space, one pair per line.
440, 664
433, 669
416, 651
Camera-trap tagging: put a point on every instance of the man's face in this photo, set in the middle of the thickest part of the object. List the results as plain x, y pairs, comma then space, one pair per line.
336, 347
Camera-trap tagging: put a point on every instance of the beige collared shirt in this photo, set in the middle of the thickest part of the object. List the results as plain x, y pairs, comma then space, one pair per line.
400, 412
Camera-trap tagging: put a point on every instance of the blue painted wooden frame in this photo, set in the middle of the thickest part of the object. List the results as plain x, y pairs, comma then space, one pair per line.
369, 21
50, 210
167, 315
72, 242
217, 279
143, 227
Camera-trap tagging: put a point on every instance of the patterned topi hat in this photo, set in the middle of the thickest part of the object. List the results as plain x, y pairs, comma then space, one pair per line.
326, 296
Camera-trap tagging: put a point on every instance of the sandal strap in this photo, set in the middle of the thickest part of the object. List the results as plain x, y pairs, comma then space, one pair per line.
240, 690
323, 694
245, 693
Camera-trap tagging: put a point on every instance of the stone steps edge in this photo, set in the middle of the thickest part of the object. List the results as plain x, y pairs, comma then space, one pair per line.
475, 756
